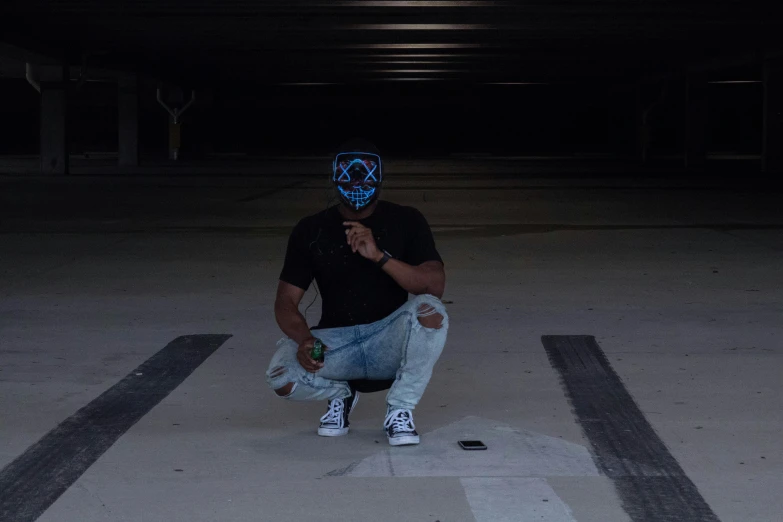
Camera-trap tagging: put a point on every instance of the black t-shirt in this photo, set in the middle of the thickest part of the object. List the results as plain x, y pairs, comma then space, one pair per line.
353, 289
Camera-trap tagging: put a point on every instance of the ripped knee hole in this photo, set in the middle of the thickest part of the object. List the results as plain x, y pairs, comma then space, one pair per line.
429, 317
285, 390
277, 372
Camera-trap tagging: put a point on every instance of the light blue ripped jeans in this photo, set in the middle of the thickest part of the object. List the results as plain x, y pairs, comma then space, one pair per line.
396, 347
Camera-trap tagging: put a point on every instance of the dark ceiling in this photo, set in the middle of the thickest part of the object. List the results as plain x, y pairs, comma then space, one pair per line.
305, 41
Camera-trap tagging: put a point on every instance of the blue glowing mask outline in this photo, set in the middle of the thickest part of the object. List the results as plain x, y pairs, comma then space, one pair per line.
365, 163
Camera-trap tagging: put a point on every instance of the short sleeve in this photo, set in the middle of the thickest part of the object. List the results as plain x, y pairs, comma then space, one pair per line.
298, 266
420, 245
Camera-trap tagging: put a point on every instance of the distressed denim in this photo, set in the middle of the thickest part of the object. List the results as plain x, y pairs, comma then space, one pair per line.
397, 347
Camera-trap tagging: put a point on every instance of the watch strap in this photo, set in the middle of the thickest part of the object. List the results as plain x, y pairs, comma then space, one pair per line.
384, 259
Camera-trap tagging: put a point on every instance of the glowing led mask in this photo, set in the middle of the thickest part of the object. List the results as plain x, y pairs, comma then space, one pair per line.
358, 177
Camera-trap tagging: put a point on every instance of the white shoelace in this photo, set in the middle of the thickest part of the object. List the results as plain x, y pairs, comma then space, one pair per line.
401, 420
335, 413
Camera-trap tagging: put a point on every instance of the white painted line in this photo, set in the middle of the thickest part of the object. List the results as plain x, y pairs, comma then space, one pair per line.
512, 453
514, 499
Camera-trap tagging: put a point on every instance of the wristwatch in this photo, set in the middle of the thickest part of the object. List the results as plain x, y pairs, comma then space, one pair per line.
384, 259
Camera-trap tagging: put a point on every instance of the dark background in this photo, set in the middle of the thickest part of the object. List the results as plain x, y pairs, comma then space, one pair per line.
517, 120
418, 78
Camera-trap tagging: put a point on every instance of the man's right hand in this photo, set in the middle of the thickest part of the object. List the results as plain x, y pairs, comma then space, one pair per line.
303, 356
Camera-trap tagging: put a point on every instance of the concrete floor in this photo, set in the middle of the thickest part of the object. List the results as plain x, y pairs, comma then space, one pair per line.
682, 288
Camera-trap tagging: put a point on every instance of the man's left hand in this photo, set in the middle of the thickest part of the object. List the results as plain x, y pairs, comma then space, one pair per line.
361, 240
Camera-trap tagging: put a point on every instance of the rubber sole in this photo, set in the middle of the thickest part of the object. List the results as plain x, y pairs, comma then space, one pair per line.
404, 441
332, 432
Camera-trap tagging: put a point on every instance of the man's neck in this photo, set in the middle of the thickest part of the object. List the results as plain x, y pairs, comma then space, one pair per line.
357, 215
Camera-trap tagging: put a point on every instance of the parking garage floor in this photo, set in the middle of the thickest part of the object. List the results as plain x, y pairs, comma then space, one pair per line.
678, 282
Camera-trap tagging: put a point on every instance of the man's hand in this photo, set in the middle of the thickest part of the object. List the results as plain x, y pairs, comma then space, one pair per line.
361, 240
303, 356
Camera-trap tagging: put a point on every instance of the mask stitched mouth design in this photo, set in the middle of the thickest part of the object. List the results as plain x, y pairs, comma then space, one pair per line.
358, 197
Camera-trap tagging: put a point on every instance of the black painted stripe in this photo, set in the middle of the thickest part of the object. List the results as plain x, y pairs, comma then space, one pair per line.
649, 480
32, 482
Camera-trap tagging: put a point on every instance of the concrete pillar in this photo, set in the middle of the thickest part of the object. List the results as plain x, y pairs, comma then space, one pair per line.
128, 121
54, 105
643, 127
205, 116
696, 120
772, 153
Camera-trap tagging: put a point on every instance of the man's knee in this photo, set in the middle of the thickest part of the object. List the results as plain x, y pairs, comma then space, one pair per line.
273, 376
429, 314
277, 372
286, 390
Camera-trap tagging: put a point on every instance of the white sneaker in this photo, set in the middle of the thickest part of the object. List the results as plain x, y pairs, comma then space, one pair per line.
400, 429
335, 422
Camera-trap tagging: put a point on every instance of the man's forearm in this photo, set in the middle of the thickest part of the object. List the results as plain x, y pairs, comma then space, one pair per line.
292, 322
427, 278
